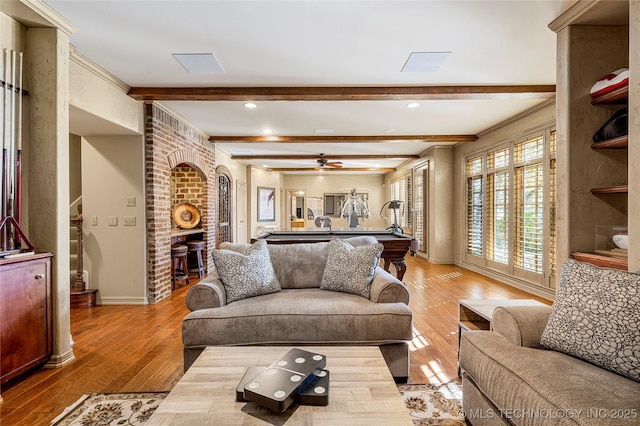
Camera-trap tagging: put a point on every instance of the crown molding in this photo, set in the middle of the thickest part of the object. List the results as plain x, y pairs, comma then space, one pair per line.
92, 67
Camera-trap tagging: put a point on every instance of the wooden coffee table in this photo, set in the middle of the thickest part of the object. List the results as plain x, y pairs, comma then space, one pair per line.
361, 392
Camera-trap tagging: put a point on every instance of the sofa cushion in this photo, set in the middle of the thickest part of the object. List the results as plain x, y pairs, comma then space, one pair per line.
246, 275
596, 317
300, 316
529, 385
350, 269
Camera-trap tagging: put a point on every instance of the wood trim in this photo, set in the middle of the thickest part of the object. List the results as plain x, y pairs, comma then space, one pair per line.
621, 142
338, 93
328, 157
622, 189
344, 139
331, 169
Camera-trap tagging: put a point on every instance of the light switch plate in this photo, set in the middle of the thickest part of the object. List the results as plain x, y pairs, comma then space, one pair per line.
131, 201
113, 220
129, 221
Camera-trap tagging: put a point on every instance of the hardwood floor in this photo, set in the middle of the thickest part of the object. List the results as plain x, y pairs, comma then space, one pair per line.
139, 348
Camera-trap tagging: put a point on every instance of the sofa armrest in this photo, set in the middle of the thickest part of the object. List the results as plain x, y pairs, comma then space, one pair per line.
208, 293
385, 288
521, 325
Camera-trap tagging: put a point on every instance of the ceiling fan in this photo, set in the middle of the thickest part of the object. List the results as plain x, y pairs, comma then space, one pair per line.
323, 162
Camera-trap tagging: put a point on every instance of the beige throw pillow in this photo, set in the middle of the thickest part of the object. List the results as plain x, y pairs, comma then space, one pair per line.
246, 275
596, 317
350, 269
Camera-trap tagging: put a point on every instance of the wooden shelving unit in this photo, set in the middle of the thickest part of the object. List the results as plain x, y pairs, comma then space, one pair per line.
601, 260
617, 96
621, 142
620, 189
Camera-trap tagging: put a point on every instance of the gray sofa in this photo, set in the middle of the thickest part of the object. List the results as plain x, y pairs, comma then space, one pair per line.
301, 313
510, 378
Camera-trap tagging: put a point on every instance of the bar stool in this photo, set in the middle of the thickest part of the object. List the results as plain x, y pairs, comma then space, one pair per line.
179, 268
195, 251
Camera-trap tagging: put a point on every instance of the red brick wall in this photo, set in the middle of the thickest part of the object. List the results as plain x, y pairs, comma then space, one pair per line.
188, 186
170, 142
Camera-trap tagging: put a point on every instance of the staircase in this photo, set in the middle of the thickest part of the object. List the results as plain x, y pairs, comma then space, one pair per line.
81, 295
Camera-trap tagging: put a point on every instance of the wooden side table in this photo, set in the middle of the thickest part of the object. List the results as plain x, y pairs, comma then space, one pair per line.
475, 314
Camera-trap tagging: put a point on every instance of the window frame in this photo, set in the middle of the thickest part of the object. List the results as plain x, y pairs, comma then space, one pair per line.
547, 277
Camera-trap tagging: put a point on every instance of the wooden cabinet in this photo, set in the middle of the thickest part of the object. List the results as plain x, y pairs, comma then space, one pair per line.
26, 314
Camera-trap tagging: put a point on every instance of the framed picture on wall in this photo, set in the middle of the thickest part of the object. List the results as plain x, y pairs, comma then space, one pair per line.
266, 204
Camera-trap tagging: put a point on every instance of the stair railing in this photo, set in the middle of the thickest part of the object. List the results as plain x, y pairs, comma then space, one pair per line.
78, 285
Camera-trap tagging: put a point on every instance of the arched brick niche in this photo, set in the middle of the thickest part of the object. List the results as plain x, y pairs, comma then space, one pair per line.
170, 142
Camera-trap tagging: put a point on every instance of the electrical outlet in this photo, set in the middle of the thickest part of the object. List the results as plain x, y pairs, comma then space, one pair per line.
94, 220
129, 221
131, 201
113, 220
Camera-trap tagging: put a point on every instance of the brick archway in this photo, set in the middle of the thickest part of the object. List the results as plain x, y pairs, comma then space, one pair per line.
170, 142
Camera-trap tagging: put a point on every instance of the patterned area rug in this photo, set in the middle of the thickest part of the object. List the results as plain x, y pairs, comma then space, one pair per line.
100, 409
430, 404
434, 404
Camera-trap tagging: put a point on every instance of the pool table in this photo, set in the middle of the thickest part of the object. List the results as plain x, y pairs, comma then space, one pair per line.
396, 245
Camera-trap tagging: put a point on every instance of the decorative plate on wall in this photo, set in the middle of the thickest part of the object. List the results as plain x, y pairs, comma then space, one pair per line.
186, 215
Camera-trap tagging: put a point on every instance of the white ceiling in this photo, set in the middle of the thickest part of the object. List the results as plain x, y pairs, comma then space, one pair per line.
325, 43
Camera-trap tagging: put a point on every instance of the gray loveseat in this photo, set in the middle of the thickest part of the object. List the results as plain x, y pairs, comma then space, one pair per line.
301, 313
509, 377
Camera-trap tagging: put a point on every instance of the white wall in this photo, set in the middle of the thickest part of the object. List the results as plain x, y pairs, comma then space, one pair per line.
337, 182
115, 256
259, 177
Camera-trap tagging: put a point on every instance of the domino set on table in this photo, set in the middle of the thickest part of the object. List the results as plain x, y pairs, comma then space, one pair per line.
298, 376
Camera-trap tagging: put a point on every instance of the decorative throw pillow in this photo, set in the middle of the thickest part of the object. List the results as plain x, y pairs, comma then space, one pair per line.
246, 274
596, 317
350, 269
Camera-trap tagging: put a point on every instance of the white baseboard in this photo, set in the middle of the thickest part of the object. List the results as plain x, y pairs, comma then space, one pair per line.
123, 300
60, 360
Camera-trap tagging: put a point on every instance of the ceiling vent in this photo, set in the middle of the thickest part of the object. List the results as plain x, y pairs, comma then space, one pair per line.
199, 63
425, 61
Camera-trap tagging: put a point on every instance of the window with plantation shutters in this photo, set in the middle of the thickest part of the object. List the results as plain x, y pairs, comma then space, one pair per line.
419, 191
401, 189
511, 209
498, 206
475, 202
528, 230
552, 204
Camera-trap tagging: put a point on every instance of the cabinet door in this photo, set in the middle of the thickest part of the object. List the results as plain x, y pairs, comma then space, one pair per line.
25, 314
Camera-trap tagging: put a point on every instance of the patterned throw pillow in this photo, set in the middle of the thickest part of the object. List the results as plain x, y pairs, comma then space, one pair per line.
350, 269
596, 317
246, 275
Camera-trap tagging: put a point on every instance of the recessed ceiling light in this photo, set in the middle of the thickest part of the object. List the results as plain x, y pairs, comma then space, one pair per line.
425, 61
413, 105
199, 63
323, 131
250, 105
265, 166
267, 131
391, 130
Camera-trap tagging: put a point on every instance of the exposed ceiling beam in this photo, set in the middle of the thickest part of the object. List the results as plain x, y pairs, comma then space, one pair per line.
344, 139
342, 93
331, 169
327, 157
